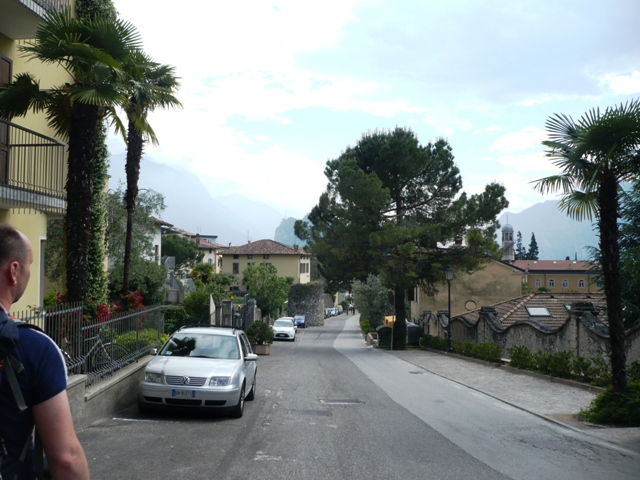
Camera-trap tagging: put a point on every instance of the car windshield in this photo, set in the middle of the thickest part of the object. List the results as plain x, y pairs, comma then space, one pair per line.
201, 345
282, 323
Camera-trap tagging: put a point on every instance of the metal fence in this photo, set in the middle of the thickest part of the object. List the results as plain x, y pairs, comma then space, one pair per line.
99, 346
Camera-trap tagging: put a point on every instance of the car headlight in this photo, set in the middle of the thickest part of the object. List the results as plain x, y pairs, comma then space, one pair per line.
152, 377
219, 382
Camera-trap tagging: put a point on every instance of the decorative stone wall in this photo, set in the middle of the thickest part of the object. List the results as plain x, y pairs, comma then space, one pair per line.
307, 299
582, 333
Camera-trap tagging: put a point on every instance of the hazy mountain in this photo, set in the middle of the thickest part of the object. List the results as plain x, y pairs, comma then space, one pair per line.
284, 232
190, 206
557, 235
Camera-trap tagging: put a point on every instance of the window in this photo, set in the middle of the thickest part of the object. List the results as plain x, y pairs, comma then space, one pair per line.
538, 283
211, 261
265, 256
581, 283
538, 311
249, 257
219, 262
236, 268
552, 283
235, 257
304, 268
565, 283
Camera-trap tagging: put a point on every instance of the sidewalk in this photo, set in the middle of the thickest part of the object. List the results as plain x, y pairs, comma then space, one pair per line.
553, 401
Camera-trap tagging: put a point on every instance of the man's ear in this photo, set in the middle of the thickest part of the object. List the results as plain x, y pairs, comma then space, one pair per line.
13, 272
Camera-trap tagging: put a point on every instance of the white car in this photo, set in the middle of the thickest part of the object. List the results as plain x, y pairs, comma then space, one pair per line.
283, 329
205, 367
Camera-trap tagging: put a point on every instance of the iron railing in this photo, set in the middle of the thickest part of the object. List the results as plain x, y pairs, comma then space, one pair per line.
31, 170
46, 5
99, 346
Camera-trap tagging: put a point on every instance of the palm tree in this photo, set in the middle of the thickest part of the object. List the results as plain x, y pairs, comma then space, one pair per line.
94, 52
595, 155
151, 86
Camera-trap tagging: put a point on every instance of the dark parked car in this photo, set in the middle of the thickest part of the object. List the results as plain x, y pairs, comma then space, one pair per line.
301, 321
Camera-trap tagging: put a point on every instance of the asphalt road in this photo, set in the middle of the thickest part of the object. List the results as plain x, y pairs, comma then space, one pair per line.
327, 407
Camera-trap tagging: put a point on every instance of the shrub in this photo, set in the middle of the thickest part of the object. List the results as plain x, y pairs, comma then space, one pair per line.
615, 409
196, 304
489, 352
430, 341
521, 357
560, 364
541, 361
174, 318
145, 338
600, 372
633, 371
581, 368
366, 327
464, 348
260, 332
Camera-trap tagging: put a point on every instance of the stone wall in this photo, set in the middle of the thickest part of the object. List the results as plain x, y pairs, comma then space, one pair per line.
307, 299
582, 333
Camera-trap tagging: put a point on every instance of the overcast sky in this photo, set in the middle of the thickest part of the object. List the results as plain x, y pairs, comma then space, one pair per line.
273, 89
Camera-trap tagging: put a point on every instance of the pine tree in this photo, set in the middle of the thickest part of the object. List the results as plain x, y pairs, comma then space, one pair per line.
532, 254
521, 252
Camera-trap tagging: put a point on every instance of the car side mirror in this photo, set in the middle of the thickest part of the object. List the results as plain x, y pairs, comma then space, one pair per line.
153, 351
251, 357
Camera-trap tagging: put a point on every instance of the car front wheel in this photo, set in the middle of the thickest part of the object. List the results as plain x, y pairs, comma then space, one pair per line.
252, 393
238, 410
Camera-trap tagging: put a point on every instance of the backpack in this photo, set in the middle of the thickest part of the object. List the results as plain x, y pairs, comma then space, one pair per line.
9, 339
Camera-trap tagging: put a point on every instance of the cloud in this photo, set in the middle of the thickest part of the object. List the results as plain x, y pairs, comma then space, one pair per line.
525, 139
533, 163
622, 84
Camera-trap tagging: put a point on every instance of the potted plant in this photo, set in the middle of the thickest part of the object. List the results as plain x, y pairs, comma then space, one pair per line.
261, 336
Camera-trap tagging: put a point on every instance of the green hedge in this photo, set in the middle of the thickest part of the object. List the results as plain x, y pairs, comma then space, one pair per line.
566, 365
366, 327
487, 351
145, 337
430, 341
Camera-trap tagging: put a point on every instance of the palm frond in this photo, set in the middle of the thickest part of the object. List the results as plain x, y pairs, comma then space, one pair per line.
554, 183
580, 205
21, 96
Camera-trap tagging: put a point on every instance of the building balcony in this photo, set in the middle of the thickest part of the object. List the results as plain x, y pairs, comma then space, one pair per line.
20, 18
31, 170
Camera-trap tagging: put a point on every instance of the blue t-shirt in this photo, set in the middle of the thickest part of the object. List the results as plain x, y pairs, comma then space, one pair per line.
44, 376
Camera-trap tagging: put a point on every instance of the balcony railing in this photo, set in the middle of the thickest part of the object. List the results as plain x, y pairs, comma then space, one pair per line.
31, 170
19, 19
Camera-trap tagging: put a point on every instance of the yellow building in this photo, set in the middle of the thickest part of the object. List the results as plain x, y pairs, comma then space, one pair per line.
559, 275
32, 160
289, 261
494, 283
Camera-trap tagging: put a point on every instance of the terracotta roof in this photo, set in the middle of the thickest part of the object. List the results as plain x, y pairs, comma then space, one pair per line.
265, 247
160, 222
206, 244
515, 310
552, 265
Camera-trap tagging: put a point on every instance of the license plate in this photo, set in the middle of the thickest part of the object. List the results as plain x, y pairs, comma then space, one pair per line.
183, 393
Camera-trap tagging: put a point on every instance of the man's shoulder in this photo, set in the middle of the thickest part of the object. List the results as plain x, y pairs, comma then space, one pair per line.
33, 333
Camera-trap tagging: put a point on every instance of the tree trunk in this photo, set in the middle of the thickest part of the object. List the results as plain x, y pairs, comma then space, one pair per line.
400, 324
132, 168
610, 251
85, 121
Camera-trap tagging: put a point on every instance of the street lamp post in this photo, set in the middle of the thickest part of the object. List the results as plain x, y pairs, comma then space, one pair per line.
449, 276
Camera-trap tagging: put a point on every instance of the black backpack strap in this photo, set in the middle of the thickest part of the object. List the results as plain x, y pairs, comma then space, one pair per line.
12, 366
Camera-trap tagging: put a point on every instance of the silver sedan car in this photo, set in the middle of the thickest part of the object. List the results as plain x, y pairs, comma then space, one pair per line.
201, 367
